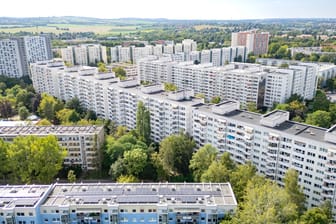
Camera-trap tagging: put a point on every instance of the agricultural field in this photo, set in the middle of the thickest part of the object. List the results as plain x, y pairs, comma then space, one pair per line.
62, 28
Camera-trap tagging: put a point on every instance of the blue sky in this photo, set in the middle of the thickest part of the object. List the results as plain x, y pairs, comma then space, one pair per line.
172, 9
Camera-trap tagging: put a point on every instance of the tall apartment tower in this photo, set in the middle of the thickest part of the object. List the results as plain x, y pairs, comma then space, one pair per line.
189, 45
256, 42
16, 54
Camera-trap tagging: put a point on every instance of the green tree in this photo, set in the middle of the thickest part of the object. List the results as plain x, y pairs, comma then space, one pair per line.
315, 215
319, 118
201, 160
135, 161
216, 172
175, 153
332, 110
293, 190
24, 98
49, 106
240, 177
273, 48
67, 116
74, 104
23, 113
330, 84
119, 72
143, 123
314, 57
127, 179
320, 102
117, 169
226, 161
102, 67
170, 87
252, 107
35, 159
4, 163
215, 99
43, 122
6, 109
265, 202
71, 176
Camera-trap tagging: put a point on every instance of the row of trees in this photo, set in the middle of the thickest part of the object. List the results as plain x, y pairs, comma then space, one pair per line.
319, 111
31, 159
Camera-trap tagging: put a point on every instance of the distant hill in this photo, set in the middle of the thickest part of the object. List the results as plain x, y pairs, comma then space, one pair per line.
40, 21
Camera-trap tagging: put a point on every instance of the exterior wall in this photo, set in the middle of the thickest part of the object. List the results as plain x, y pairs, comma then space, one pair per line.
10, 61
67, 55
83, 147
272, 151
254, 41
16, 54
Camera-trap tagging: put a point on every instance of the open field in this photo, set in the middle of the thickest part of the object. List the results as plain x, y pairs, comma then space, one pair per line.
61, 28
202, 27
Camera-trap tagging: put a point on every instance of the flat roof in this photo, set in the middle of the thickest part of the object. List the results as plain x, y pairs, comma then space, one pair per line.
49, 130
141, 193
21, 195
288, 127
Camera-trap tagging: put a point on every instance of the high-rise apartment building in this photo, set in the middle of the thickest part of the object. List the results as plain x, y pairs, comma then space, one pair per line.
17, 53
85, 54
271, 142
254, 41
189, 45
67, 55
80, 55
246, 83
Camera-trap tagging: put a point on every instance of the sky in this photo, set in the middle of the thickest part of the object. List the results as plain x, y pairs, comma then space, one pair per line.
171, 9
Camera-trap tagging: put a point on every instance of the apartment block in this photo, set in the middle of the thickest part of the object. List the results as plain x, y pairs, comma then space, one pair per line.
189, 45
261, 85
10, 60
82, 142
254, 41
305, 78
273, 144
85, 54
80, 55
113, 203
67, 55
130, 69
117, 100
17, 53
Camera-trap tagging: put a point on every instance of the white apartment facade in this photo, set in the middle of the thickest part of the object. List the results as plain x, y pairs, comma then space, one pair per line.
84, 54
305, 77
114, 99
17, 53
67, 55
273, 144
37, 48
246, 83
10, 60
80, 55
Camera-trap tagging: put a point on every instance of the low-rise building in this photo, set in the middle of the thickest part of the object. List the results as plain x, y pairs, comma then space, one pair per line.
82, 143
113, 203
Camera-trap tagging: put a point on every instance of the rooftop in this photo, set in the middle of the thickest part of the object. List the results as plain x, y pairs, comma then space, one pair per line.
148, 193
289, 127
21, 195
48, 130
